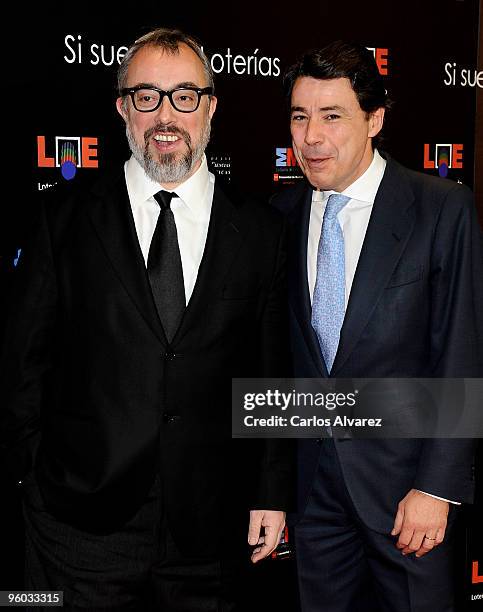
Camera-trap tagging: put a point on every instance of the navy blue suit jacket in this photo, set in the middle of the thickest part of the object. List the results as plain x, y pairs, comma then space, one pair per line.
415, 310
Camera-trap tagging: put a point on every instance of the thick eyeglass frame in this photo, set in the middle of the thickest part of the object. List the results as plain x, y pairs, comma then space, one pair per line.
130, 91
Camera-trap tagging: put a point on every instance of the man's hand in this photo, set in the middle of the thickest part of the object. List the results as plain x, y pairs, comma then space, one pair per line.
420, 523
273, 522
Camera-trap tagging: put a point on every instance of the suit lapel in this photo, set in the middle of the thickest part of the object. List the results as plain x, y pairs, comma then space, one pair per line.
299, 287
389, 228
226, 232
111, 216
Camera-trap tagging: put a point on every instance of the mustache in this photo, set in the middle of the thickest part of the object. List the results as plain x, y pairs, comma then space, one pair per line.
167, 129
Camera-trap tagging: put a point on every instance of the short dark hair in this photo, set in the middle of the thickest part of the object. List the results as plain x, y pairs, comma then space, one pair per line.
339, 60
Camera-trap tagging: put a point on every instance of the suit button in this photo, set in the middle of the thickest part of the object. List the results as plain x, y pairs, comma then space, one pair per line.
169, 355
171, 418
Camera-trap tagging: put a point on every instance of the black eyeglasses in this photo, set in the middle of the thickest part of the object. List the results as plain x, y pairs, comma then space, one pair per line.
183, 99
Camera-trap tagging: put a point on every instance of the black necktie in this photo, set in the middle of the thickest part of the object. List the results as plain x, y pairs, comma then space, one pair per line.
164, 267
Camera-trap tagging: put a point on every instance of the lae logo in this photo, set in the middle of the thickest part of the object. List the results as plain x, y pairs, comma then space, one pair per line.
68, 154
443, 157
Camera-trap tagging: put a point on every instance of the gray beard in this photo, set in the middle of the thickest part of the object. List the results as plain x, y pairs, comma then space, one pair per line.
167, 168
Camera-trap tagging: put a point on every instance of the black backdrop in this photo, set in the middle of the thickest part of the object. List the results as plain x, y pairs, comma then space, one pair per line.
59, 68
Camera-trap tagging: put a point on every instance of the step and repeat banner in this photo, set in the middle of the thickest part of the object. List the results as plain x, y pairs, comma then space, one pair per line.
61, 61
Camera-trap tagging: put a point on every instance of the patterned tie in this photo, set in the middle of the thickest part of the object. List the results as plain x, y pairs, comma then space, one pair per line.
164, 267
328, 303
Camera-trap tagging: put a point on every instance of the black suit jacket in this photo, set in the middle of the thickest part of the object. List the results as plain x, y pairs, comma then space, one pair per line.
92, 383
415, 310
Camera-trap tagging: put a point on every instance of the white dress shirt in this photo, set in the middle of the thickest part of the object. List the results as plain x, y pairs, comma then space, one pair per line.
353, 219
191, 210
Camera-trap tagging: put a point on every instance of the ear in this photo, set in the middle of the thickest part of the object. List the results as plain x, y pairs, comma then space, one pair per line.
120, 108
213, 103
376, 121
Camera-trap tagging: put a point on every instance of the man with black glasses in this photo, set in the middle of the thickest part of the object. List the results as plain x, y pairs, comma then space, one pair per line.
136, 303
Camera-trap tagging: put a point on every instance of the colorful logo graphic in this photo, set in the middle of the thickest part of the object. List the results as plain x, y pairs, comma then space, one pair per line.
381, 57
68, 160
286, 166
443, 157
70, 153
285, 157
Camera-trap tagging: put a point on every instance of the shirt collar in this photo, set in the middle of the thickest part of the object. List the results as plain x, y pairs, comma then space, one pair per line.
192, 192
364, 189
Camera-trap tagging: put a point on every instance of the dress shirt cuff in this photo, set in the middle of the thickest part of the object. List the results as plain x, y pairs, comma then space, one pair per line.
450, 501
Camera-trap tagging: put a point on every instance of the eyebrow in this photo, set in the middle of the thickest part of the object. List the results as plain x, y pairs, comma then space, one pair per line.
323, 109
188, 84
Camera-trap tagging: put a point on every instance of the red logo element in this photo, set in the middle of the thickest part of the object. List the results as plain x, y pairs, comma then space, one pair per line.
381, 57
476, 578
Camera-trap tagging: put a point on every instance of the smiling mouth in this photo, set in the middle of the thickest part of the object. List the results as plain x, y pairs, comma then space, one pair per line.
166, 142
166, 138
317, 161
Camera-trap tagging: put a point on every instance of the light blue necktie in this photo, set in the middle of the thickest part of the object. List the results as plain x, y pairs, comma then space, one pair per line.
328, 302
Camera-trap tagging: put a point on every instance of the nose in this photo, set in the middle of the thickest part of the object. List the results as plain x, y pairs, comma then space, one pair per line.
166, 113
314, 133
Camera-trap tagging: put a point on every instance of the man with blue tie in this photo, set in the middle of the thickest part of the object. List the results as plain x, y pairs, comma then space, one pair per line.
385, 269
